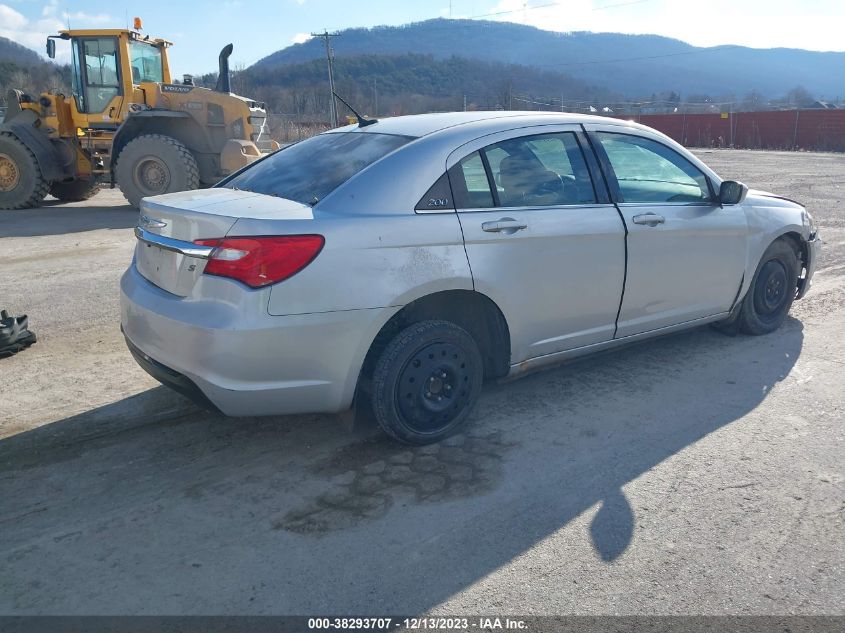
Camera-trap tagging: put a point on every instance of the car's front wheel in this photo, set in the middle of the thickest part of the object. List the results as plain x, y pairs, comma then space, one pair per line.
426, 381
772, 291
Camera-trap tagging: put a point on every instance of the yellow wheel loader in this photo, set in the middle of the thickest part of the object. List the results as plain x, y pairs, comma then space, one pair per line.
126, 124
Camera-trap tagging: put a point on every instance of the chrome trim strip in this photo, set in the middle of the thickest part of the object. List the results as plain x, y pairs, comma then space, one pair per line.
177, 246
551, 207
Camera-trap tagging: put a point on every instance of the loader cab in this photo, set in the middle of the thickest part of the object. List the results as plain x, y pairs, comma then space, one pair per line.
107, 68
95, 77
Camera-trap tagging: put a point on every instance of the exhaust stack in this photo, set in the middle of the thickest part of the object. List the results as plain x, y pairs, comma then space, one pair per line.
223, 84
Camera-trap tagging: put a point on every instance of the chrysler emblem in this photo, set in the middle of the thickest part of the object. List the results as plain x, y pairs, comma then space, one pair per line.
151, 223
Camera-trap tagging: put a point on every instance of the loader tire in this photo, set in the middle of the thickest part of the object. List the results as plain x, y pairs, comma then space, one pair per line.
21, 182
74, 191
153, 164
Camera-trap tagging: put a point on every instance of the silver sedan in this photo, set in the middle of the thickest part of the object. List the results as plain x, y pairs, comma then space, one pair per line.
401, 264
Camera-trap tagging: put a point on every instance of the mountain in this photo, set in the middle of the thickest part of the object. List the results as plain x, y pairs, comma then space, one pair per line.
16, 54
25, 70
396, 78
635, 65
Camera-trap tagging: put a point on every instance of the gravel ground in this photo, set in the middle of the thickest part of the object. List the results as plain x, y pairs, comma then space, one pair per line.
695, 474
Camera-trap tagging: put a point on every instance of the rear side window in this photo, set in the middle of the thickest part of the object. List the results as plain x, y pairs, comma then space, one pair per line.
648, 171
470, 184
530, 171
545, 170
310, 170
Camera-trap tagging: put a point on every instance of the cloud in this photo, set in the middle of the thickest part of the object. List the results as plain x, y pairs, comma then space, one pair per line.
33, 33
300, 38
81, 16
756, 23
10, 19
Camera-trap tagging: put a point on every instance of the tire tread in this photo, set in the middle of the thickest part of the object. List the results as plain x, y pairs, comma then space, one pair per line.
382, 378
186, 160
748, 321
41, 187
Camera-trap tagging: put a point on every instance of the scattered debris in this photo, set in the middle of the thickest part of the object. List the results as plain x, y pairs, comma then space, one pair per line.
14, 334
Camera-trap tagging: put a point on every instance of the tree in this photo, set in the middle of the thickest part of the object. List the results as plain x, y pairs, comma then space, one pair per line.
799, 97
753, 101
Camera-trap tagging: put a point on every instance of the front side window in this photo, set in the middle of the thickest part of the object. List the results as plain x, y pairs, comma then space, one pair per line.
145, 61
310, 170
540, 170
648, 171
102, 83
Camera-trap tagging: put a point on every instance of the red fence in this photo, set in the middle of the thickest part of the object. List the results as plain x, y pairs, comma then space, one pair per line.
820, 130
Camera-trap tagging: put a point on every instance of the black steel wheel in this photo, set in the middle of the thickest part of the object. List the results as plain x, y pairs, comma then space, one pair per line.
426, 382
772, 291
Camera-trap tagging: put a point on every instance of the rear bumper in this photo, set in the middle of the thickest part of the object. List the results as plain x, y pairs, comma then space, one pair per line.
241, 360
814, 249
170, 378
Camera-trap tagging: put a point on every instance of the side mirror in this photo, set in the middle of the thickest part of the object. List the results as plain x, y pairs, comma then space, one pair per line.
51, 48
732, 192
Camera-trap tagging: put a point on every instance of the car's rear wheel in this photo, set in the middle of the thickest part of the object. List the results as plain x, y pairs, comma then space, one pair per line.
772, 290
426, 382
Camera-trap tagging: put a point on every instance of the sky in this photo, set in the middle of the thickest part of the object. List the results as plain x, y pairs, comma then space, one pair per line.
260, 27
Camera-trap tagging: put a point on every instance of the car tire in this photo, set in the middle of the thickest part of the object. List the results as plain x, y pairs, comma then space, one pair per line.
772, 290
21, 183
74, 191
426, 382
154, 164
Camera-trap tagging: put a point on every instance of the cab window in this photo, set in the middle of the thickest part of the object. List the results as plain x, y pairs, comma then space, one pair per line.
145, 61
648, 171
99, 70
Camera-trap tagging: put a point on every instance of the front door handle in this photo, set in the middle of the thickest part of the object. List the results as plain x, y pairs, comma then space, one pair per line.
649, 219
508, 226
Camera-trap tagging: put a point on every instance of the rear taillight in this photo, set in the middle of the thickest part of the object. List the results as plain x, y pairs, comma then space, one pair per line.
260, 261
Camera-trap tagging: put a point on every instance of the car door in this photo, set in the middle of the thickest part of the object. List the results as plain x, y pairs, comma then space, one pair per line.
542, 241
686, 253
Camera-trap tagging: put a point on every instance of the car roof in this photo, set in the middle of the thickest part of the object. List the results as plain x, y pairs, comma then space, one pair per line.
396, 182
419, 125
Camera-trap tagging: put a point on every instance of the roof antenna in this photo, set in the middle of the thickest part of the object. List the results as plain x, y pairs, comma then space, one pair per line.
362, 122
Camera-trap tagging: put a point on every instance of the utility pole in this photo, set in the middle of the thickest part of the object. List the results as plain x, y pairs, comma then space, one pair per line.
375, 98
330, 60
465, 103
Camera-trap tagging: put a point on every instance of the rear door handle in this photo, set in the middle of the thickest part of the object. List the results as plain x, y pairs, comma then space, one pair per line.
649, 219
508, 226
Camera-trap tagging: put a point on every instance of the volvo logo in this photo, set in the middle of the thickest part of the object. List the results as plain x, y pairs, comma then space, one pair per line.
147, 222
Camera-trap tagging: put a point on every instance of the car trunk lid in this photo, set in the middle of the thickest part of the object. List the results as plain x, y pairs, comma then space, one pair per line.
169, 225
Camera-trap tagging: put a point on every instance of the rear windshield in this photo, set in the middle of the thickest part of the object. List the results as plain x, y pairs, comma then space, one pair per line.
310, 170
